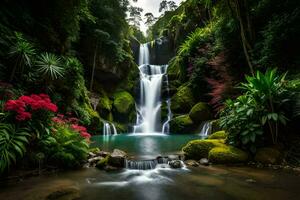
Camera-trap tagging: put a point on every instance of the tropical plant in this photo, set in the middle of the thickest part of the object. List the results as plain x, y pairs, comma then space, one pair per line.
259, 108
269, 91
49, 66
13, 142
65, 147
22, 52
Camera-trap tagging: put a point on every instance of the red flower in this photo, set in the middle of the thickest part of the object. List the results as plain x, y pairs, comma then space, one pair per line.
85, 135
23, 116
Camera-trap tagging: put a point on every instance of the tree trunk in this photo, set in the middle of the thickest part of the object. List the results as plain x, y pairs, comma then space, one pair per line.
94, 66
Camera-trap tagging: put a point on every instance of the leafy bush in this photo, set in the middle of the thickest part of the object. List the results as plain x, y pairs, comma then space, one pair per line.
65, 147
13, 143
259, 108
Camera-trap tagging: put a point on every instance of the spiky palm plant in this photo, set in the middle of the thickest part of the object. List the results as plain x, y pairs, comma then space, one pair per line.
12, 144
22, 52
49, 66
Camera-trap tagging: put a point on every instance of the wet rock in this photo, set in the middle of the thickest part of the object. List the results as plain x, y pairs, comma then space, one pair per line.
250, 180
226, 155
192, 163
70, 193
218, 135
200, 112
174, 157
110, 168
197, 149
101, 164
268, 156
117, 158
175, 164
183, 100
204, 161
181, 124
91, 155
95, 159
103, 154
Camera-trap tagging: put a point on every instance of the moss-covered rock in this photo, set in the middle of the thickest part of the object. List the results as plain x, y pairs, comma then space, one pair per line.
227, 154
218, 135
200, 112
105, 103
183, 100
268, 156
123, 102
123, 108
101, 164
197, 149
181, 124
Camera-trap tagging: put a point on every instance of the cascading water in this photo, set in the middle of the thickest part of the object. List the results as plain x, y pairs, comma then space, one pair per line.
206, 129
109, 129
149, 106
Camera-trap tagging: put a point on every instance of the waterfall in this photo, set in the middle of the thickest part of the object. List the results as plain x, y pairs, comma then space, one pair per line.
109, 129
206, 129
149, 106
147, 164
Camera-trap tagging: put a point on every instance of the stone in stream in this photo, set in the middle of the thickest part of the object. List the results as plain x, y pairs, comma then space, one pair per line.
204, 161
117, 158
95, 159
176, 164
192, 163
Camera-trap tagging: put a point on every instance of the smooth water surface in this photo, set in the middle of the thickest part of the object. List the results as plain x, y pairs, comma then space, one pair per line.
202, 183
143, 144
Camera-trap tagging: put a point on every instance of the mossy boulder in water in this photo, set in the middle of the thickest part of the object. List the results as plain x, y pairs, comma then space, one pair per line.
227, 154
181, 124
218, 135
268, 156
183, 100
200, 112
197, 149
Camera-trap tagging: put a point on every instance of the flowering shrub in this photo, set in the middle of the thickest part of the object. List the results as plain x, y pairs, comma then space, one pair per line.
24, 106
72, 122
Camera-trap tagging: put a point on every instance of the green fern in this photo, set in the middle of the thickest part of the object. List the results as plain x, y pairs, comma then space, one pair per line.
12, 144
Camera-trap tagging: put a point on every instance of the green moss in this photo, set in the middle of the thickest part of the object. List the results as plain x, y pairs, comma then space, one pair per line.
227, 154
95, 150
102, 163
197, 149
268, 156
181, 124
218, 135
183, 100
200, 112
105, 103
123, 102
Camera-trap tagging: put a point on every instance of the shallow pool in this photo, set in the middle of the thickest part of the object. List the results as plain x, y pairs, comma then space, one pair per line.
207, 183
143, 144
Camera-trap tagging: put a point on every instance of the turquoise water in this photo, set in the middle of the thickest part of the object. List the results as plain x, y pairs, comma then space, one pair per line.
143, 144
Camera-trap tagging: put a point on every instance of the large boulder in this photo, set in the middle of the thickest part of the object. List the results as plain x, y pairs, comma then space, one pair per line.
117, 158
123, 102
183, 100
175, 164
124, 108
181, 124
227, 154
200, 112
218, 135
268, 156
197, 149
